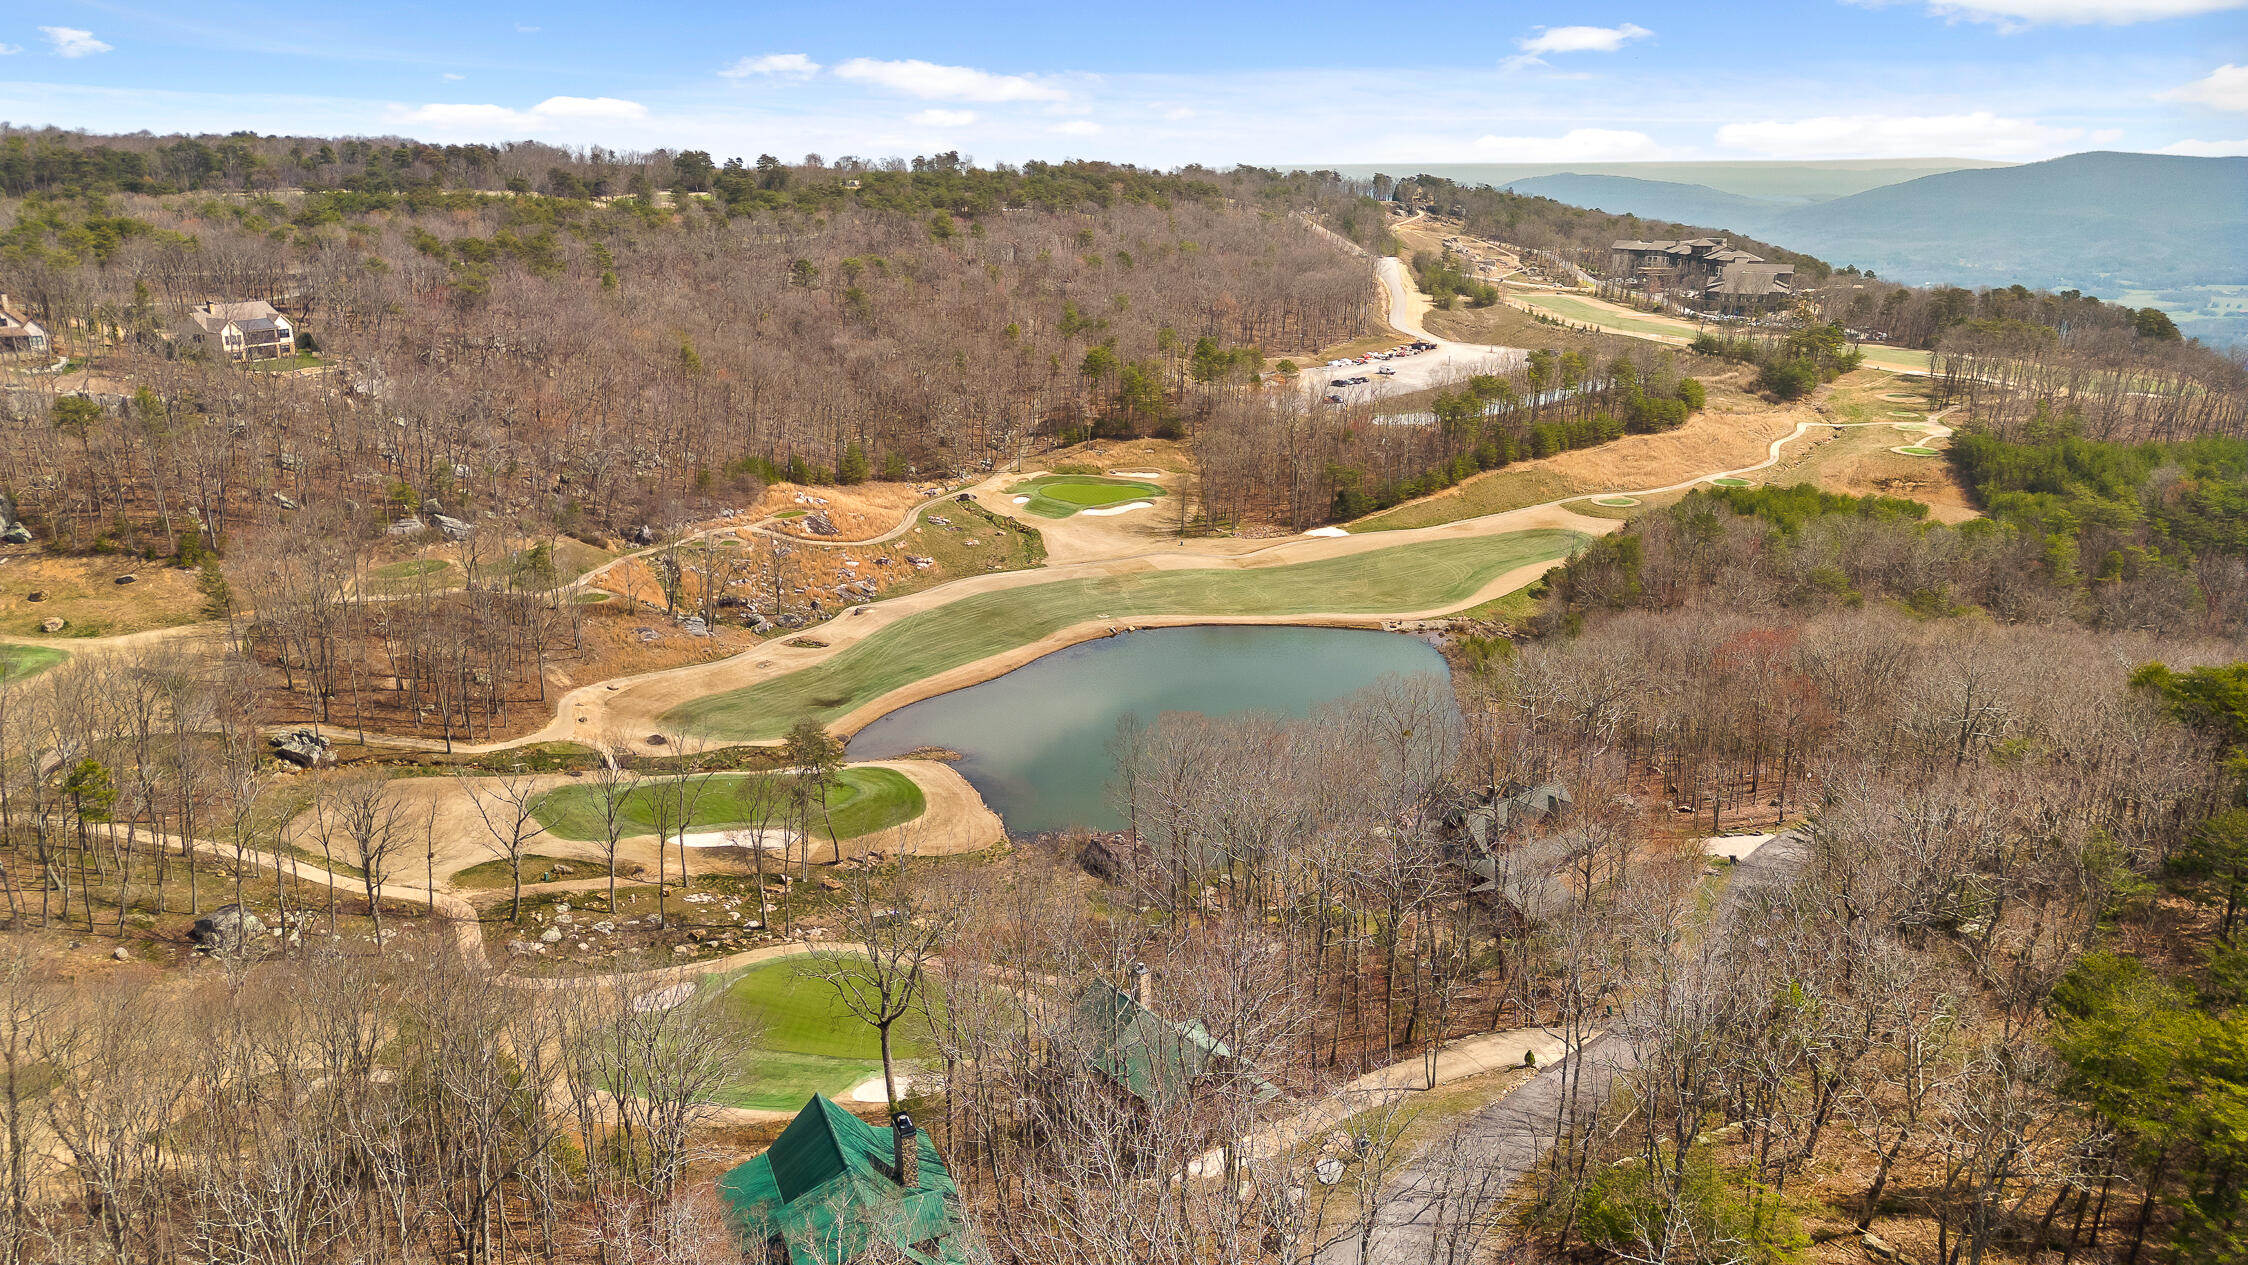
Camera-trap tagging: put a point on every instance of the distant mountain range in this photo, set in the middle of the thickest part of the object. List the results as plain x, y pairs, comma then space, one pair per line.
2145, 229
1791, 182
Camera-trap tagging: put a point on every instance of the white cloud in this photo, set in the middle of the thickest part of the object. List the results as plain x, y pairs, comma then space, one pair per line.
944, 118
2018, 15
450, 77
1580, 39
589, 108
1076, 127
780, 65
464, 116
1571, 39
69, 41
917, 78
1980, 134
10, 50
521, 29
2226, 88
1582, 144
494, 118
2207, 149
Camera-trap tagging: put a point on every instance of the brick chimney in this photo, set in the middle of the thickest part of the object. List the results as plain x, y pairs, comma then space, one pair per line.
1143, 990
907, 1151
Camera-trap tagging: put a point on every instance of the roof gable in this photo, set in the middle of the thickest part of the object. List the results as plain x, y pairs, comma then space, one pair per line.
825, 1189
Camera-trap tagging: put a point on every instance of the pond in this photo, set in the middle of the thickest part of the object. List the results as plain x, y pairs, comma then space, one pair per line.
1035, 742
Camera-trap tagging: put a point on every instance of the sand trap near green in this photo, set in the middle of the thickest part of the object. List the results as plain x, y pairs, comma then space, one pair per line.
861, 802
804, 1041
1427, 575
1061, 495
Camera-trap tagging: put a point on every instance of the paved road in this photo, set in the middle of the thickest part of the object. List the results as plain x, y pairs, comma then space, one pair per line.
1436, 1209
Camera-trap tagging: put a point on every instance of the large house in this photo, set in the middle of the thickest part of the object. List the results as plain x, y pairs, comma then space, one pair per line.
20, 335
1152, 1060
834, 1189
1704, 270
250, 330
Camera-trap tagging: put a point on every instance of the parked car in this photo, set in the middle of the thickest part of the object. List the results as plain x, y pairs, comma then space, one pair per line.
1334, 399
1340, 382
1386, 371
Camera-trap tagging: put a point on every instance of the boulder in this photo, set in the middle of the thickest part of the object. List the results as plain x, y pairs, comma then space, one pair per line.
127, 578
453, 528
226, 930
17, 534
406, 526
552, 935
36, 595
303, 748
51, 624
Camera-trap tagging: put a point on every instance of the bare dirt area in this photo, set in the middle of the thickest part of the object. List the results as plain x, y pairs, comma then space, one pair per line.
85, 593
1123, 456
856, 513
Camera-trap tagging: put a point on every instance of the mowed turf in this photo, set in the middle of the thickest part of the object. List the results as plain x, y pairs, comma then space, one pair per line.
805, 1042
861, 802
1061, 495
1423, 576
18, 662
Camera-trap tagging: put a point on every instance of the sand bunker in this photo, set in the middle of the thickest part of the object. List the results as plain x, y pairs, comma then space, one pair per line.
1125, 508
1326, 531
1136, 474
770, 840
1022, 500
872, 1090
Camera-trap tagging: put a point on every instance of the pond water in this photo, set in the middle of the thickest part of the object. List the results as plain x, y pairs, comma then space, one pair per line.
1035, 742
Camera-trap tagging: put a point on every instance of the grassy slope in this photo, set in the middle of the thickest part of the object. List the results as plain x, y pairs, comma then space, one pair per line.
806, 1042
1407, 578
862, 802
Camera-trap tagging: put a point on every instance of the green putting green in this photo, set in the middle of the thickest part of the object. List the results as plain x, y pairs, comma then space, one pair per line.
1917, 451
1616, 502
1427, 575
805, 1042
861, 802
18, 662
1731, 482
1061, 495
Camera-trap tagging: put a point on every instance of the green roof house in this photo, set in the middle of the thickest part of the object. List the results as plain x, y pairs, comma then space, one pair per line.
1152, 1058
833, 1188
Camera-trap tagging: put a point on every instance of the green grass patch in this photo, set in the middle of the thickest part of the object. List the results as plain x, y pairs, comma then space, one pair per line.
1426, 575
19, 662
1729, 481
1616, 502
806, 1042
1061, 495
1917, 451
861, 802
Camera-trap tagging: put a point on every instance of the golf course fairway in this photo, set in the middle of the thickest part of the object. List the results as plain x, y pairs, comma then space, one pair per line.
1424, 576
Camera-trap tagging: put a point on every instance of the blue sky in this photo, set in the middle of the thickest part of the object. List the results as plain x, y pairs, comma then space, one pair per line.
1164, 81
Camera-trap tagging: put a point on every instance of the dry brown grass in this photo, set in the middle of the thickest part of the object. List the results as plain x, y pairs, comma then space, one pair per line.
84, 591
